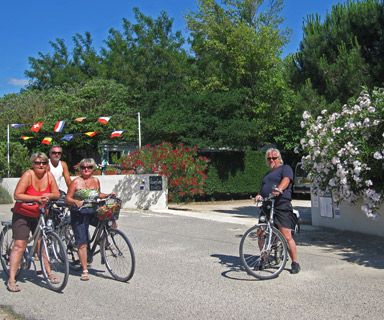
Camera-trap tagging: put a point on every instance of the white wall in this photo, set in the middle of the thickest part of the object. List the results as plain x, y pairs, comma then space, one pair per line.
345, 217
133, 190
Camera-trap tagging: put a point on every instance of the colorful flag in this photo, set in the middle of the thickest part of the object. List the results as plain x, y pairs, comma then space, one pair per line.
59, 126
103, 120
17, 125
116, 134
67, 137
81, 119
90, 133
46, 140
26, 138
36, 127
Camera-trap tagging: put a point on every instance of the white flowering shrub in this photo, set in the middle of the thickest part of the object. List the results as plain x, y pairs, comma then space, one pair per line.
345, 151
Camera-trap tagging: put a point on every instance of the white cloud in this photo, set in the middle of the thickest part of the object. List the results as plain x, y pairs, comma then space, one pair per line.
18, 82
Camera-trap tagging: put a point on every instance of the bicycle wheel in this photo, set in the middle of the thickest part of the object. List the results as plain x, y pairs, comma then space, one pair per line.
54, 262
6, 243
68, 238
118, 255
263, 251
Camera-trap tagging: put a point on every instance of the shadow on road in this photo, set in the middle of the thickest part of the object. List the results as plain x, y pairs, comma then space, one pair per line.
353, 247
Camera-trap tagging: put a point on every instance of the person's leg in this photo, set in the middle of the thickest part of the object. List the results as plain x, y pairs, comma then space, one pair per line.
18, 250
292, 250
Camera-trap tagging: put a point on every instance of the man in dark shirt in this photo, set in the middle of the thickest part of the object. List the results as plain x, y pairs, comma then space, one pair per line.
278, 182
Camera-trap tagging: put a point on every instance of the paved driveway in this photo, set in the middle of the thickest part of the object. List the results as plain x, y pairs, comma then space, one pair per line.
188, 268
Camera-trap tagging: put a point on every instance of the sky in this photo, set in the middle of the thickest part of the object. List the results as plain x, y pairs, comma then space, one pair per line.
27, 26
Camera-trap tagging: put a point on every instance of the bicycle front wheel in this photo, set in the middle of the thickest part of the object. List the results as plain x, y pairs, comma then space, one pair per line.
54, 261
118, 255
263, 251
6, 243
67, 236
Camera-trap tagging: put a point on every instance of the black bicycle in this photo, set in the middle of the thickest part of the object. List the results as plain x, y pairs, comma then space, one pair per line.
263, 249
113, 244
51, 253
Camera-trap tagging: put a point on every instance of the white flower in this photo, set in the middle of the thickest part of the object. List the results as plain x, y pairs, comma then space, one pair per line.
377, 155
371, 109
306, 115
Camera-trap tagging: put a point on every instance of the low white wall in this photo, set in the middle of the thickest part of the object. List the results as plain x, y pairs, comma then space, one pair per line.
134, 190
346, 216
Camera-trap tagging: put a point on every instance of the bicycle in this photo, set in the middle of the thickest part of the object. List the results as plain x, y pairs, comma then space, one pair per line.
51, 253
113, 244
263, 249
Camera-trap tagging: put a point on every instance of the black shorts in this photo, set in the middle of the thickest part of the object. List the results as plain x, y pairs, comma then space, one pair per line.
22, 226
283, 216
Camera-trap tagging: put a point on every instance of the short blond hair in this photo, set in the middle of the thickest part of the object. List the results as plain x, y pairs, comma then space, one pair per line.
276, 151
40, 155
88, 161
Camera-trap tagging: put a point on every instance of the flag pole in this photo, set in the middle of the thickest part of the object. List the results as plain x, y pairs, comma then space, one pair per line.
8, 148
139, 126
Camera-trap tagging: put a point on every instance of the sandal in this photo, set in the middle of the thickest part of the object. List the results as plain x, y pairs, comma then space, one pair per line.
84, 276
13, 287
53, 279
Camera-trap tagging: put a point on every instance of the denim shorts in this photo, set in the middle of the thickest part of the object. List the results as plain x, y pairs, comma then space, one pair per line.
80, 224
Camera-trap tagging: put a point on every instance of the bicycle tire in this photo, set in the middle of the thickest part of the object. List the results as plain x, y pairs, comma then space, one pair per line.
6, 243
118, 255
67, 236
260, 258
52, 252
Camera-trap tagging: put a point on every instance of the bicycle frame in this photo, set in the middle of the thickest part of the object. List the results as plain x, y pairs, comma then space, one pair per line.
98, 234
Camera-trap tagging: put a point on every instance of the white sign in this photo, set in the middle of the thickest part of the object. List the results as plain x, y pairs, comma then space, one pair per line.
326, 207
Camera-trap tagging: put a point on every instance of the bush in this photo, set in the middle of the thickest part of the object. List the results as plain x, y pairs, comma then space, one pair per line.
345, 151
182, 166
19, 159
235, 174
5, 197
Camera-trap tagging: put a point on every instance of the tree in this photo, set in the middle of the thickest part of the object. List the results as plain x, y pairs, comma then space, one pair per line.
343, 53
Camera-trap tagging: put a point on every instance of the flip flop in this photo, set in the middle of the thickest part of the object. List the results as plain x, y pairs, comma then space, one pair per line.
13, 287
84, 276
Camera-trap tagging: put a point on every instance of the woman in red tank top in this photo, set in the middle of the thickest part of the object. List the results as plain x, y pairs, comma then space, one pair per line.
36, 184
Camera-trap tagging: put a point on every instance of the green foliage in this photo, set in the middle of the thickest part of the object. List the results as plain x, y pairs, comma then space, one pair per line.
235, 173
5, 197
344, 52
18, 158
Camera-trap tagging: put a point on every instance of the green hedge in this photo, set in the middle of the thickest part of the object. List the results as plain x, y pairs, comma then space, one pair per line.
234, 175
5, 197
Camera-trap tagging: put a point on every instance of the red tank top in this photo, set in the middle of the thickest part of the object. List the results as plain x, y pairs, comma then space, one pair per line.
31, 209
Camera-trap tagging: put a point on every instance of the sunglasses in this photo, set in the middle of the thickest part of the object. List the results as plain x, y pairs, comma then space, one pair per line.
86, 167
56, 152
272, 158
39, 163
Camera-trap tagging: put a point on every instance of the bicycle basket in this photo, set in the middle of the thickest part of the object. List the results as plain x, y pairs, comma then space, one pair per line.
109, 210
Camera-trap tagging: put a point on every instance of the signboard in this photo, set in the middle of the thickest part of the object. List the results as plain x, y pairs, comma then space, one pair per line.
155, 183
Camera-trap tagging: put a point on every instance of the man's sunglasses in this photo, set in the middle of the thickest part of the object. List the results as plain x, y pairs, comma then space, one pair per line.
272, 158
86, 167
38, 163
56, 152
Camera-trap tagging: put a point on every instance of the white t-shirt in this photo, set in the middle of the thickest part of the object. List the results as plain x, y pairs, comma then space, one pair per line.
57, 172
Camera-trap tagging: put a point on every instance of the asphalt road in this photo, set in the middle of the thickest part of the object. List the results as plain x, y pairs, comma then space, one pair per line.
188, 268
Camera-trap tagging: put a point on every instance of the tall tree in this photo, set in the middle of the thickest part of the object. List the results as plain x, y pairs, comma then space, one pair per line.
342, 53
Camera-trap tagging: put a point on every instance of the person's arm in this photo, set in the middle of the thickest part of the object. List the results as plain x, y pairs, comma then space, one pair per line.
284, 183
66, 174
21, 187
70, 193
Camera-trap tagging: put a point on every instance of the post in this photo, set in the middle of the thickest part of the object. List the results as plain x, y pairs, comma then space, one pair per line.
8, 149
139, 126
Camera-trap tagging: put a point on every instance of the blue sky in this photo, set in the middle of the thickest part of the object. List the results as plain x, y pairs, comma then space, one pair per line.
27, 26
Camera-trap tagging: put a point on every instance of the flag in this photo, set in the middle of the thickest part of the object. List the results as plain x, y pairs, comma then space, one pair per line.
46, 140
90, 133
81, 119
59, 126
26, 138
103, 120
36, 127
116, 134
67, 137
17, 125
